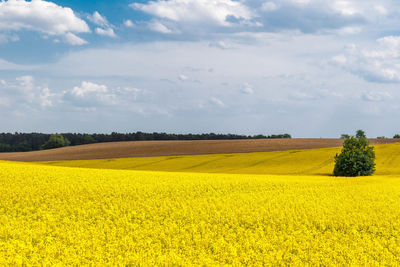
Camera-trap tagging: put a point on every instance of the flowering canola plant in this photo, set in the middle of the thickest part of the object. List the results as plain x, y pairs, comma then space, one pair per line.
294, 162
75, 216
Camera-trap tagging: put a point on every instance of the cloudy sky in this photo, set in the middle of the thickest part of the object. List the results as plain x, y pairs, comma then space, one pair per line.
311, 68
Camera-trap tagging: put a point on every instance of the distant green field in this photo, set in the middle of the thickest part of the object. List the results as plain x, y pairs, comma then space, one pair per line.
295, 162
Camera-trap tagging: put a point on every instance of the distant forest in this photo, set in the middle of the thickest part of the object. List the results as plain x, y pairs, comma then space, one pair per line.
21, 142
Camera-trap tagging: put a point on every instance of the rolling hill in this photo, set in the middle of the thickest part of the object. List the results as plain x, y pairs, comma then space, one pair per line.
291, 162
175, 148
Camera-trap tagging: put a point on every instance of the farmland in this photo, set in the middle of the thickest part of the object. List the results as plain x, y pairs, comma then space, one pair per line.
263, 208
70, 216
176, 148
292, 162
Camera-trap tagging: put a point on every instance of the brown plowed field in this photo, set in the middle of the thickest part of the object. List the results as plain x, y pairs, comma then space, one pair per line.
174, 148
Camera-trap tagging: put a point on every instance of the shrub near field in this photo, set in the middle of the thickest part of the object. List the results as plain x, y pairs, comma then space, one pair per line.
70, 216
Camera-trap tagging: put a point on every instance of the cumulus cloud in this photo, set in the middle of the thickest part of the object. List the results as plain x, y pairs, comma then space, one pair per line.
24, 92
378, 64
88, 88
106, 28
33, 93
128, 23
98, 19
158, 27
307, 16
197, 11
73, 39
93, 95
106, 32
345, 7
89, 95
42, 16
221, 11
311, 15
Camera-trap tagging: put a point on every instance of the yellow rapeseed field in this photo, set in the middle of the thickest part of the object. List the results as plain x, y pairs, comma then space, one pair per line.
298, 162
75, 216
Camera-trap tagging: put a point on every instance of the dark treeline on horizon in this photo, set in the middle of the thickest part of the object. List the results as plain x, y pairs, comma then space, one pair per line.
21, 142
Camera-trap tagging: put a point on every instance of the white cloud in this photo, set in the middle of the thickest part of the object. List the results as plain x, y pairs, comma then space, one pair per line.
347, 16
90, 95
182, 77
269, 6
26, 81
42, 16
196, 11
98, 19
72, 39
157, 26
217, 102
128, 23
106, 28
350, 30
345, 7
392, 42
45, 97
87, 88
300, 2
220, 44
375, 96
6, 65
106, 32
247, 89
27, 91
381, 10
378, 64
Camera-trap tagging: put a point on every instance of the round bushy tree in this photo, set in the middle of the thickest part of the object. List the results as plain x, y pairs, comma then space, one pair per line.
356, 159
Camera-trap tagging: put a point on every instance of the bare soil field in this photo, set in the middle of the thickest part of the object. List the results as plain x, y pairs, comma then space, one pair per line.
176, 148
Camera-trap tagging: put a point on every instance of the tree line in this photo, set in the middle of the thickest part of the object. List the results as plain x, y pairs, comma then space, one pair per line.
21, 142
362, 133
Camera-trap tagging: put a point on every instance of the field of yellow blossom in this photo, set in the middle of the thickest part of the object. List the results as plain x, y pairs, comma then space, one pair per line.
295, 162
53, 215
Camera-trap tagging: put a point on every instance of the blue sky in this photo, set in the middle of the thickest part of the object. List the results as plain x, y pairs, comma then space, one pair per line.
311, 68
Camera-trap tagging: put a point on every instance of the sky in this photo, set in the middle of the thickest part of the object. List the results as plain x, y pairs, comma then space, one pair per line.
311, 68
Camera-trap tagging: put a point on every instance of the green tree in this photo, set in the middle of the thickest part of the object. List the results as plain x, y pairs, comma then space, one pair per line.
345, 136
396, 136
356, 159
88, 139
24, 146
360, 134
55, 141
